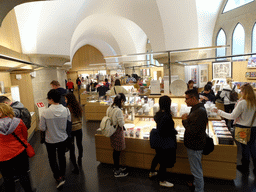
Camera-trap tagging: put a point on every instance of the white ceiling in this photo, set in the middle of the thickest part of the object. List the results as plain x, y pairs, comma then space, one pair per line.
61, 27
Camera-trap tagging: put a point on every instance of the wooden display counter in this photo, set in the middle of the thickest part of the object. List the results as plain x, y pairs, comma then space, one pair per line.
221, 163
34, 125
94, 111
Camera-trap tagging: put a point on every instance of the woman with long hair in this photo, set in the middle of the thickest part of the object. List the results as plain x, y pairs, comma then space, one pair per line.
117, 139
166, 153
13, 157
76, 118
243, 115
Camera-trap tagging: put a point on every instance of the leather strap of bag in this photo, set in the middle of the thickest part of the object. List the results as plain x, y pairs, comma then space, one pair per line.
253, 119
115, 90
19, 140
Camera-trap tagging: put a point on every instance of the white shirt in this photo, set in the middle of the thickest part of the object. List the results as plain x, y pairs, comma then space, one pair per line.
226, 94
117, 116
241, 114
54, 122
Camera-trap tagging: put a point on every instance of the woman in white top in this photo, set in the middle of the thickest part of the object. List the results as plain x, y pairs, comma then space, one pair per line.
228, 105
117, 89
243, 115
117, 139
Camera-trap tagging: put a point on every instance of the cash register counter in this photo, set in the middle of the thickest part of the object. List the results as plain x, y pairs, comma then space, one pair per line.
221, 163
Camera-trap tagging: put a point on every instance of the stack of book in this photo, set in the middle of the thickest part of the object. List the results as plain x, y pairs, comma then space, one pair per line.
223, 134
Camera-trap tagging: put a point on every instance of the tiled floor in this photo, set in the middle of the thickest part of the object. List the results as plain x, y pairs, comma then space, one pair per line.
95, 177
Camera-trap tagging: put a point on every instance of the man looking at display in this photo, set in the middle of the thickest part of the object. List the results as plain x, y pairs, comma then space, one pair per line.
207, 95
195, 137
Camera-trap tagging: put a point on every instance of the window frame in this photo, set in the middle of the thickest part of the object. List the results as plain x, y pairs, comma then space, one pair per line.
232, 38
253, 27
217, 45
234, 8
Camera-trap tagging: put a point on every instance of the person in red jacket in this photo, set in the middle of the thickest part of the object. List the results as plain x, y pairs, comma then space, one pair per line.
70, 86
13, 156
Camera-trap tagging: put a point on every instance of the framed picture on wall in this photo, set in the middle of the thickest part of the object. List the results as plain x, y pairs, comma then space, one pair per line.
203, 75
221, 70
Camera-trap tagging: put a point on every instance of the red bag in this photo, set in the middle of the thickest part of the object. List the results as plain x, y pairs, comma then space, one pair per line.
30, 151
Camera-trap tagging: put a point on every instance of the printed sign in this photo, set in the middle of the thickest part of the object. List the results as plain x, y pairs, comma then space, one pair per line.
40, 104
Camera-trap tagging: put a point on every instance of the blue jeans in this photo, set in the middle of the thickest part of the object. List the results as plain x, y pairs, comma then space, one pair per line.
194, 158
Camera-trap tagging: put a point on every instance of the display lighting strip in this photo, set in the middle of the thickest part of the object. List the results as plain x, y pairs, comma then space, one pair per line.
169, 51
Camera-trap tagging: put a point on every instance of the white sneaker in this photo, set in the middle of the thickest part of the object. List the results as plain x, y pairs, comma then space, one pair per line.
152, 174
119, 173
166, 184
61, 181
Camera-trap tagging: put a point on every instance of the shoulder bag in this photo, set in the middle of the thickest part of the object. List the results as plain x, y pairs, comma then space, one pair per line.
209, 146
243, 133
115, 90
29, 149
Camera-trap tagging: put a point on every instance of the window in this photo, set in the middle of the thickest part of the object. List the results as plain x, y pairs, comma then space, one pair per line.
221, 40
238, 40
254, 39
232, 4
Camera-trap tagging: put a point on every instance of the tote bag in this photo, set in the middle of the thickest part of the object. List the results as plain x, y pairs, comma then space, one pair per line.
243, 133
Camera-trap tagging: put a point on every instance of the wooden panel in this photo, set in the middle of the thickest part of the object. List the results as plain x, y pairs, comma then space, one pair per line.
132, 159
6, 78
94, 116
220, 170
104, 156
86, 55
26, 90
181, 166
9, 33
102, 142
94, 108
230, 154
32, 128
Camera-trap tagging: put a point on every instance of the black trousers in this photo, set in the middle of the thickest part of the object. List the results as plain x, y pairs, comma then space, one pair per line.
116, 158
17, 166
166, 158
228, 109
57, 149
78, 135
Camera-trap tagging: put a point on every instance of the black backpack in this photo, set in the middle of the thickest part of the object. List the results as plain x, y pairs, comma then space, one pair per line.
233, 95
25, 116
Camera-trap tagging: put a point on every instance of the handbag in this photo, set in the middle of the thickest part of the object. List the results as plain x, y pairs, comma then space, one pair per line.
243, 133
159, 142
209, 146
69, 131
154, 139
42, 137
29, 149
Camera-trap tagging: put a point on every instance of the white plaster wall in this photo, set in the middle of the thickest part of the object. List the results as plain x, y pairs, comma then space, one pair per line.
41, 83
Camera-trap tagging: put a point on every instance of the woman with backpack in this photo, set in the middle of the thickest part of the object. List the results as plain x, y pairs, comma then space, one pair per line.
76, 118
117, 139
229, 105
13, 157
166, 150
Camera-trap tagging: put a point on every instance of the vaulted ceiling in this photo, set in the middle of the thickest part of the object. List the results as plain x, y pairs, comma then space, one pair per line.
118, 27
8, 5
